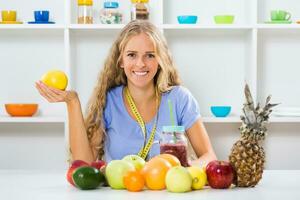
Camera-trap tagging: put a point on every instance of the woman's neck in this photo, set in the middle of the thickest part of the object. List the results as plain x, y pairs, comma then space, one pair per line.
142, 95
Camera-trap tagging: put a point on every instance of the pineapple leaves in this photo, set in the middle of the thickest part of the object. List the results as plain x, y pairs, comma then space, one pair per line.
268, 99
249, 99
255, 118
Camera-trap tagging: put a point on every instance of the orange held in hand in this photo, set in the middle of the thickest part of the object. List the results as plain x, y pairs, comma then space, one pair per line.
55, 78
154, 173
173, 160
133, 181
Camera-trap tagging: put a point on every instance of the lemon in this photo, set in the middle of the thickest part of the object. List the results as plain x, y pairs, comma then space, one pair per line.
56, 79
199, 177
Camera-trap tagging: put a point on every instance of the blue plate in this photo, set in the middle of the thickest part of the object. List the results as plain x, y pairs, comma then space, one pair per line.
41, 22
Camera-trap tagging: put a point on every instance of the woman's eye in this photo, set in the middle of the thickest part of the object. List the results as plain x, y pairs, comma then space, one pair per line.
150, 55
132, 55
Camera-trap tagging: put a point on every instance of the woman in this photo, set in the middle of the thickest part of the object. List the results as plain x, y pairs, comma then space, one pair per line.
129, 104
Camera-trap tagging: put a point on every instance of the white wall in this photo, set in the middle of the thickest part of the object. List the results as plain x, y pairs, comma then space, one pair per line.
32, 146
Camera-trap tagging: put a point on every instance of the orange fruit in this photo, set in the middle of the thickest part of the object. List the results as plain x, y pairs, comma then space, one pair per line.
133, 181
171, 158
154, 173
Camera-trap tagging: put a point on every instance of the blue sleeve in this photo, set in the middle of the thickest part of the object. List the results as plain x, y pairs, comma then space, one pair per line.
107, 112
188, 108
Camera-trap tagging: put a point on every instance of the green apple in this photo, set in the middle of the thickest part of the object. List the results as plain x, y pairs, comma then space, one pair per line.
198, 176
136, 160
115, 171
178, 179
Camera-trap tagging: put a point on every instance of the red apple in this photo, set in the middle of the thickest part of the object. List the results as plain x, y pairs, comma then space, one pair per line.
98, 164
220, 174
75, 164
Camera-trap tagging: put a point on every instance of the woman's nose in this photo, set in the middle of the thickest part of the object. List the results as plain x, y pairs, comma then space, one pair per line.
140, 62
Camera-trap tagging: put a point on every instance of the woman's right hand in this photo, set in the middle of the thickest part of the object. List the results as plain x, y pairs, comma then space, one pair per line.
55, 95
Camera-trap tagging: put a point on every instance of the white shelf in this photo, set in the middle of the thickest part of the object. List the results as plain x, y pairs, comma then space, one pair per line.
46, 119
32, 26
238, 120
221, 119
278, 26
49, 119
230, 26
97, 26
284, 119
203, 26
163, 26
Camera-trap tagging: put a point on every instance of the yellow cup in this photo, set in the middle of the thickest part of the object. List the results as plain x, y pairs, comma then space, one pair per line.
9, 15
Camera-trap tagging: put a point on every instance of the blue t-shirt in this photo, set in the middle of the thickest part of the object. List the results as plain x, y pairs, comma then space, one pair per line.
124, 135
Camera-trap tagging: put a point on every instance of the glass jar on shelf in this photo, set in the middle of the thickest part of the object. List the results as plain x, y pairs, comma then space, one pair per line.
173, 141
110, 14
139, 10
85, 12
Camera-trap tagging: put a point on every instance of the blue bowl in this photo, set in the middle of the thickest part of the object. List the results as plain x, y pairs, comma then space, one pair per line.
220, 111
187, 19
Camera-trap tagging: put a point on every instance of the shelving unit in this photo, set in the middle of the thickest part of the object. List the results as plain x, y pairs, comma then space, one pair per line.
214, 60
5, 119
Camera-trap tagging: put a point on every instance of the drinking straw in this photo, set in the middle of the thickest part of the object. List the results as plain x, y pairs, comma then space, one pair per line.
172, 118
171, 112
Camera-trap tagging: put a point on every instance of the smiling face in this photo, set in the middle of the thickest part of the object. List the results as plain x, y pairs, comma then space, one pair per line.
139, 61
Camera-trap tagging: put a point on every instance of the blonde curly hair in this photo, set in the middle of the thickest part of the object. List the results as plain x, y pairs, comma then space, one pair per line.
113, 75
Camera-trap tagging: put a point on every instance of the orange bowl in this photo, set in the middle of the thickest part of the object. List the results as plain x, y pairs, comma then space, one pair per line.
21, 110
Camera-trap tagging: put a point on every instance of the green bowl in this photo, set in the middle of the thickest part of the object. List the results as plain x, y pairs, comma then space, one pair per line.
224, 19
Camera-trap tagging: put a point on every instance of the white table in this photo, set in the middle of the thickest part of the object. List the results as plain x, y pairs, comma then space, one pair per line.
44, 185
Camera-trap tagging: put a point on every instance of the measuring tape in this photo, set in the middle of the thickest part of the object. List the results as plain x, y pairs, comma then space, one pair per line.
145, 149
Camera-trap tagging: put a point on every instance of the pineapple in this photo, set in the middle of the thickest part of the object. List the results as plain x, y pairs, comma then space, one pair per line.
247, 155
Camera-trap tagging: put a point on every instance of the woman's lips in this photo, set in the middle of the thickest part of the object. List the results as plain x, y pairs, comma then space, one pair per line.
140, 73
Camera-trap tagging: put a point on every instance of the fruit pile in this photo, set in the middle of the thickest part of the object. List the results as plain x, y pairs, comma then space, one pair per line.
161, 172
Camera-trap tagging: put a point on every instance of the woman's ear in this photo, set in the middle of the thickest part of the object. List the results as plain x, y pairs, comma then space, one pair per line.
121, 65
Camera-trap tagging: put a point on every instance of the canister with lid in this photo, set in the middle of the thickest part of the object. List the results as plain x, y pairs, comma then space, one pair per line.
139, 9
110, 14
85, 12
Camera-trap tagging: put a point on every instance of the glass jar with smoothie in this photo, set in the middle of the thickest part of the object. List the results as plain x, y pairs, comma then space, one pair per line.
173, 141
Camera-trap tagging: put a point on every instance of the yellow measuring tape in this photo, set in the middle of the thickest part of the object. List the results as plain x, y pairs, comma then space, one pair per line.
146, 147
